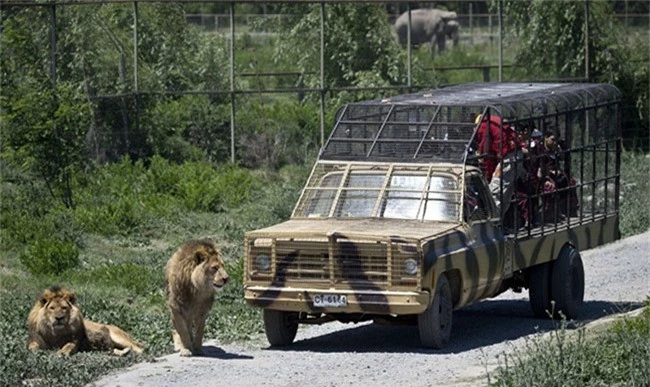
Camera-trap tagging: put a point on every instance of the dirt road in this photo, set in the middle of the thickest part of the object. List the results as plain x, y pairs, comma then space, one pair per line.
617, 280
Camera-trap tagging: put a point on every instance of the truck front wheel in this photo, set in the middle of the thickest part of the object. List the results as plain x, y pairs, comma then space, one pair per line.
568, 282
280, 327
434, 323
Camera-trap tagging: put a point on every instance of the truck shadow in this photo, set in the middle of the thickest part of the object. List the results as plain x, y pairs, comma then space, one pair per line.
479, 325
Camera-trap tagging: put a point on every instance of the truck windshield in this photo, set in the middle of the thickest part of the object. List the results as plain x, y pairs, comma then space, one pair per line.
381, 192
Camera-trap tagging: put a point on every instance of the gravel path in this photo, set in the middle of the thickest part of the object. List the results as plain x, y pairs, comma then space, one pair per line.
334, 354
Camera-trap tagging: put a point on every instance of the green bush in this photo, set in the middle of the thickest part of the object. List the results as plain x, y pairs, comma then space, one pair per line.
137, 279
122, 216
635, 201
127, 197
189, 128
49, 140
199, 186
28, 213
278, 132
618, 357
50, 256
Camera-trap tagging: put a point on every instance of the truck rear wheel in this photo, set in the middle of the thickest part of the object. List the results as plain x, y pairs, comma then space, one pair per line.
280, 327
539, 290
568, 282
434, 323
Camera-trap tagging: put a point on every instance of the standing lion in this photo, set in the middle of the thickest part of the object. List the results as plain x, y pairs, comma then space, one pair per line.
192, 275
56, 322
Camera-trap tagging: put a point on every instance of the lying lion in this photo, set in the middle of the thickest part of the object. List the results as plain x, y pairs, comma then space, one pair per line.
56, 322
192, 275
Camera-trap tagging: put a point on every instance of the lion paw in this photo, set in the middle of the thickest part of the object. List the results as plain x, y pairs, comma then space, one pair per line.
185, 352
121, 352
64, 353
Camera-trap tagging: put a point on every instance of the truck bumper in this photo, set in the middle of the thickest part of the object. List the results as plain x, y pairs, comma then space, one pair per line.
358, 301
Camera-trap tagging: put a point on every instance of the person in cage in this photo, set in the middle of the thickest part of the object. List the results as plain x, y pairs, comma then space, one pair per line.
501, 158
531, 140
557, 188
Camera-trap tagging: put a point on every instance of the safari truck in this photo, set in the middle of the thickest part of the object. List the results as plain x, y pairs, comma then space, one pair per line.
397, 222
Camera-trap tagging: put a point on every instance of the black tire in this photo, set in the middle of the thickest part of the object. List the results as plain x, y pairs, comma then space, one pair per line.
568, 283
434, 323
539, 290
280, 327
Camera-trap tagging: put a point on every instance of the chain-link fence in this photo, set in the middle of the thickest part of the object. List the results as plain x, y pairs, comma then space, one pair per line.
154, 89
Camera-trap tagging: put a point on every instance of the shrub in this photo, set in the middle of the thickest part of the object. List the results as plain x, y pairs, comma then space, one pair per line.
277, 133
618, 357
199, 186
48, 140
634, 203
189, 128
139, 280
50, 256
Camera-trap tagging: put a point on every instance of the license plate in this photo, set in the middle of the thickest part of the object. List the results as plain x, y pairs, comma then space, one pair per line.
330, 300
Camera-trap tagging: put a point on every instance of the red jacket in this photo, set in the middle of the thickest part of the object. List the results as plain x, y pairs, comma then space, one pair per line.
491, 144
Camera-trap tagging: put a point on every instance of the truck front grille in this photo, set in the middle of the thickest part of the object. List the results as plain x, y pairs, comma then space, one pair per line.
333, 262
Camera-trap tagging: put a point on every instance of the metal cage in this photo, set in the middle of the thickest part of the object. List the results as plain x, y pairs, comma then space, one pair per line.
438, 125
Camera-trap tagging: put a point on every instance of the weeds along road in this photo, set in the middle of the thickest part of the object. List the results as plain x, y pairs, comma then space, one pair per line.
617, 280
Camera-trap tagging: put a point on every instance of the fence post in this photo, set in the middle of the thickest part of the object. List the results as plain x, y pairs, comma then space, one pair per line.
232, 82
500, 41
136, 88
471, 23
53, 44
322, 74
135, 47
587, 40
409, 58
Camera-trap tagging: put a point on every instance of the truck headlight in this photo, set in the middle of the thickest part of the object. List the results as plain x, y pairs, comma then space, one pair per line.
263, 262
410, 266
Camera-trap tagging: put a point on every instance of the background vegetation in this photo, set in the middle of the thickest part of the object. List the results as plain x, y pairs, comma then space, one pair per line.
96, 197
620, 356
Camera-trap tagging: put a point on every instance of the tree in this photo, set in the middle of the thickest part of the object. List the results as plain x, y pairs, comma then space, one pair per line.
44, 133
94, 57
551, 37
360, 48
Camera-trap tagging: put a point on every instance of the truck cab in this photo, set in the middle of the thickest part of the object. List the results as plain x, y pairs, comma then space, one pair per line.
399, 223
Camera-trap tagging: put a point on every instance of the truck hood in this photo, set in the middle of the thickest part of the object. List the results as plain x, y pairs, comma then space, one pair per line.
379, 229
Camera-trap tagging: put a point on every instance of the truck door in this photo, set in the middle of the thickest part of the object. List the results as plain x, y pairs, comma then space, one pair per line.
486, 240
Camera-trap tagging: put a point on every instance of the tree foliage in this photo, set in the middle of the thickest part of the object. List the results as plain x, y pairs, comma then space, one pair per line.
360, 48
94, 57
551, 40
44, 132
551, 35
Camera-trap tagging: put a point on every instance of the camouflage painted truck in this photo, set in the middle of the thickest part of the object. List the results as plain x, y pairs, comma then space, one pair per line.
397, 223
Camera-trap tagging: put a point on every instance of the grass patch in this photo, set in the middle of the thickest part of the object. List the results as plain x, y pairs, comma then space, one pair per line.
634, 199
620, 357
126, 225
118, 270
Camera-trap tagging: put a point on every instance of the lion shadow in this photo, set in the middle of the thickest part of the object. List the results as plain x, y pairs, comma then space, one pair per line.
211, 351
475, 326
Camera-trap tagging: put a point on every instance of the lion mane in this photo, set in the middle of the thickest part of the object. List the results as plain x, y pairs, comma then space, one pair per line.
192, 275
56, 322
